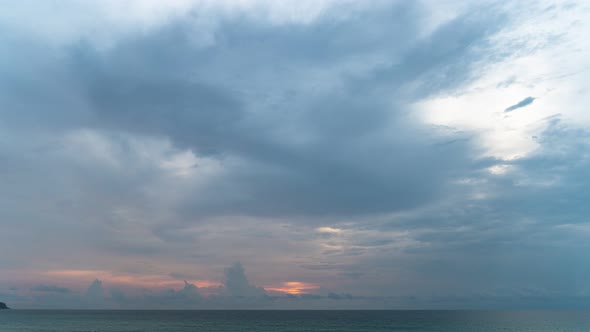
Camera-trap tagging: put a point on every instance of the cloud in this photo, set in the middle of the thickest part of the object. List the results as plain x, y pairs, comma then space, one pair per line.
294, 138
187, 297
334, 296
535, 205
523, 103
237, 285
95, 294
50, 289
190, 291
118, 296
285, 152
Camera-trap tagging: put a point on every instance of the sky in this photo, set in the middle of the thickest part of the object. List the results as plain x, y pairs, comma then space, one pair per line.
318, 154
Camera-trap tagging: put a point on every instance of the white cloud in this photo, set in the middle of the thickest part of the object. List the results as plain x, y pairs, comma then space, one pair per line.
551, 57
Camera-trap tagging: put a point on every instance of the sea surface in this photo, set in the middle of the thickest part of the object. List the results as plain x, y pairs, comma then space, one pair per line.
279, 321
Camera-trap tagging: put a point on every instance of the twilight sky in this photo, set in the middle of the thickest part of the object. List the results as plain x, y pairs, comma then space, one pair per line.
294, 154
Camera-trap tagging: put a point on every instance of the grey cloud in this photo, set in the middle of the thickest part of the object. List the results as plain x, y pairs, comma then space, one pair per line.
51, 289
138, 99
335, 296
446, 59
190, 290
287, 152
237, 284
236, 292
307, 124
523, 103
549, 185
118, 296
187, 297
95, 292
57, 297
320, 266
351, 275
521, 236
179, 275
310, 296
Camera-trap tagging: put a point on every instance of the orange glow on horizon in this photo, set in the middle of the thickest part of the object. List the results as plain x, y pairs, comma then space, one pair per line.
136, 281
293, 287
81, 279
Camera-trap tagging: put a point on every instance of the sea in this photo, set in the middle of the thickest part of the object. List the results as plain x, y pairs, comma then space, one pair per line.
282, 321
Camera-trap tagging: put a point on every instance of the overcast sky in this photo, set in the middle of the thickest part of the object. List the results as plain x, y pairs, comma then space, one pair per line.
294, 154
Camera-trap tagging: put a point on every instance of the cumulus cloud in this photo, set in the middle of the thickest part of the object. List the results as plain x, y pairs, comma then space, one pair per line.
187, 297
237, 285
95, 294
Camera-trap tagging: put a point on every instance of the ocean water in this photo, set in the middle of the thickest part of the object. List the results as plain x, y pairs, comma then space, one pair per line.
279, 321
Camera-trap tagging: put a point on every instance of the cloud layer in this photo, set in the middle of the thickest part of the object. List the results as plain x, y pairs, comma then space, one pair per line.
356, 151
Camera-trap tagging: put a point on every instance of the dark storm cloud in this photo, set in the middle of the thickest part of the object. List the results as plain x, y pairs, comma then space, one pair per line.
132, 93
289, 143
523, 103
286, 147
